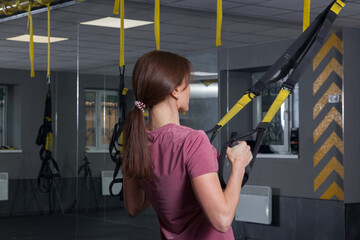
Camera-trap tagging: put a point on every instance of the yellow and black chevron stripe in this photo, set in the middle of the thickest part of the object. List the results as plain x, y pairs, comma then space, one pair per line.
327, 119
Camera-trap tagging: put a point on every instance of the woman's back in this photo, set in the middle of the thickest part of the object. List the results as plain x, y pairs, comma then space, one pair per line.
178, 155
174, 168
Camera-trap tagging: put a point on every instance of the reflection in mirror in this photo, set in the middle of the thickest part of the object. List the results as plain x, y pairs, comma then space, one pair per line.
38, 146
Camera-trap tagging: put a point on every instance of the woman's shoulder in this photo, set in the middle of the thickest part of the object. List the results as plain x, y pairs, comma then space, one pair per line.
190, 132
178, 133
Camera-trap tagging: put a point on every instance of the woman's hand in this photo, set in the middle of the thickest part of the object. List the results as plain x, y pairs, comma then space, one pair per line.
240, 154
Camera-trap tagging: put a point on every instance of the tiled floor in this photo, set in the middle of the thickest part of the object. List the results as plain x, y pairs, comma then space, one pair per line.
103, 225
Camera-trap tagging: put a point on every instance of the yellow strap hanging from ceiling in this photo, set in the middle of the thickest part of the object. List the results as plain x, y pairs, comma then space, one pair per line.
157, 24
48, 24
116, 7
219, 22
306, 15
122, 30
31, 42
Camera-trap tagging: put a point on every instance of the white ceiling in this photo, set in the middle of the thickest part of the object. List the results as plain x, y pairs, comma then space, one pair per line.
187, 27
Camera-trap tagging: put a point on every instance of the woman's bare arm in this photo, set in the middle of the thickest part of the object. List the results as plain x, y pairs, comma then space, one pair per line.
134, 197
218, 205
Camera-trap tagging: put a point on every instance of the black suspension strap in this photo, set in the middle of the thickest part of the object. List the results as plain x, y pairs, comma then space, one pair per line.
49, 174
296, 59
116, 144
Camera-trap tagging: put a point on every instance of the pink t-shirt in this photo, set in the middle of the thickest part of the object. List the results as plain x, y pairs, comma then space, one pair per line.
180, 154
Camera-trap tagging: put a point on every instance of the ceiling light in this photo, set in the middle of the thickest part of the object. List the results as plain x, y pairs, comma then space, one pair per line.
203, 74
115, 22
37, 39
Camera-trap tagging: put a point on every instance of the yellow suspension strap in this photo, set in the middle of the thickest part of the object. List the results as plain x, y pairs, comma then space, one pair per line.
157, 24
219, 22
48, 53
31, 42
246, 98
122, 34
279, 100
306, 15
296, 58
337, 6
116, 148
116, 7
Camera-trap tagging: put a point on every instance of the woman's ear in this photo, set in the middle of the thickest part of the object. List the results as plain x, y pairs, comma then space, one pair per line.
175, 94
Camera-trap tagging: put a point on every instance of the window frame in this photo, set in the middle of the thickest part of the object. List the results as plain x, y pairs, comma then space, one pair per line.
99, 129
286, 116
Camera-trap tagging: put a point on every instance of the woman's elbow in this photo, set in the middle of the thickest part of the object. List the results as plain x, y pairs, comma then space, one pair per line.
132, 212
222, 225
223, 228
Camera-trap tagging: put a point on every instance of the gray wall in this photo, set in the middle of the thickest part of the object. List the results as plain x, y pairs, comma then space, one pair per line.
351, 115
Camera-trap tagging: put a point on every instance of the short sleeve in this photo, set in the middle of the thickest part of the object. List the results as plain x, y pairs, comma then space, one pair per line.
200, 155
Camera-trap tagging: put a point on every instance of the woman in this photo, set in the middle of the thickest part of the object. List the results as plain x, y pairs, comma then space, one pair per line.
172, 167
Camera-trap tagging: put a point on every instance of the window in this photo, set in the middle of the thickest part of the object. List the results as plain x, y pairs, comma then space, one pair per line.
101, 114
284, 122
3, 103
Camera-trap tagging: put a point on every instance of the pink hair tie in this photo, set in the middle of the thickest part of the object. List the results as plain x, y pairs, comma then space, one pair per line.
140, 105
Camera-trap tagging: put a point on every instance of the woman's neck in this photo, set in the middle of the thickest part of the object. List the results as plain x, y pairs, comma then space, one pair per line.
163, 113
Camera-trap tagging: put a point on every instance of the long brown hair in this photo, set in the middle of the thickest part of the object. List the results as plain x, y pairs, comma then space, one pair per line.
155, 76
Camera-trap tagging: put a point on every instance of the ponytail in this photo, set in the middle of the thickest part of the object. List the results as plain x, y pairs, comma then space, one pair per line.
136, 161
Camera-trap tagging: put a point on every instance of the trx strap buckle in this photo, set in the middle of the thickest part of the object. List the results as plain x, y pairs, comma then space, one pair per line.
287, 86
122, 70
256, 89
252, 97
